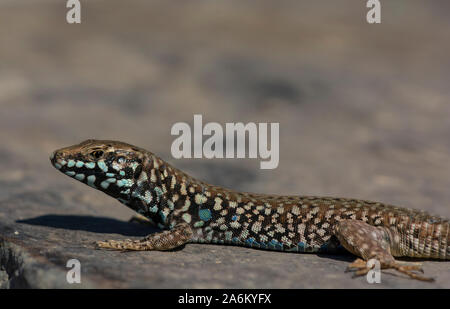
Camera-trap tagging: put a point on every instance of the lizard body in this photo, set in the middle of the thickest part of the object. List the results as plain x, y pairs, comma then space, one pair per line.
192, 211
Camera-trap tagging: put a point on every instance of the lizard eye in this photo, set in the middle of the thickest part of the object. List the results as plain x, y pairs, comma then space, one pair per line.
97, 154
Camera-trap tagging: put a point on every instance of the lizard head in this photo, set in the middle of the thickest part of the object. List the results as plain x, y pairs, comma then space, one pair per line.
109, 166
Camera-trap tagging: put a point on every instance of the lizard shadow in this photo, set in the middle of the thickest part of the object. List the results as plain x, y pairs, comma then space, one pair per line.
91, 224
344, 256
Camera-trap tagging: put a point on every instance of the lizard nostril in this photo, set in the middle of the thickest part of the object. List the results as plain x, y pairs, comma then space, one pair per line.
56, 156
53, 156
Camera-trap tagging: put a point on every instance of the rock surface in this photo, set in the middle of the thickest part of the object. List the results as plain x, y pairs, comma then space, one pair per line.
363, 112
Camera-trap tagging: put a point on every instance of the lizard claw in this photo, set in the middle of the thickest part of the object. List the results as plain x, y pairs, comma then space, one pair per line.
358, 266
409, 271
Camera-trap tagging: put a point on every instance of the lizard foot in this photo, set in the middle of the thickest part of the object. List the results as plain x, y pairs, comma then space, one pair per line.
361, 268
165, 240
122, 245
409, 270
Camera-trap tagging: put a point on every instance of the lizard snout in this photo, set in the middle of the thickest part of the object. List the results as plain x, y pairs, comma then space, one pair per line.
58, 158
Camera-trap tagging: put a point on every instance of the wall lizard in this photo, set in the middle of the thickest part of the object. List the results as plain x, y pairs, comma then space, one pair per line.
192, 211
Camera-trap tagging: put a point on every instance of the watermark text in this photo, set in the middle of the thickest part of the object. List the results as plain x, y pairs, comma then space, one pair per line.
235, 135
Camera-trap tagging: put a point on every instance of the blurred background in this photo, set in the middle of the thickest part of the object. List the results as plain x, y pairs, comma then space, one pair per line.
363, 108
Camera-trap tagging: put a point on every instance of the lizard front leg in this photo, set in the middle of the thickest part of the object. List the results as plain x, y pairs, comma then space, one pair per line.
166, 240
371, 242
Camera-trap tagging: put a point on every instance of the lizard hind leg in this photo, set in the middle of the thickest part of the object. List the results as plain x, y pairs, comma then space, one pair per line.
165, 240
371, 242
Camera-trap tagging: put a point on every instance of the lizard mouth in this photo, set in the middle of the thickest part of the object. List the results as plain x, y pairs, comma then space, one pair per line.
57, 161
61, 163
71, 167
90, 173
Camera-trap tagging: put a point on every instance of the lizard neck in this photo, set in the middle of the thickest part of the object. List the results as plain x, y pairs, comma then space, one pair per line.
149, 193
166, 195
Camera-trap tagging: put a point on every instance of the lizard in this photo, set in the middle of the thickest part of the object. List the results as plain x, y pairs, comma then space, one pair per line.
188, 210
